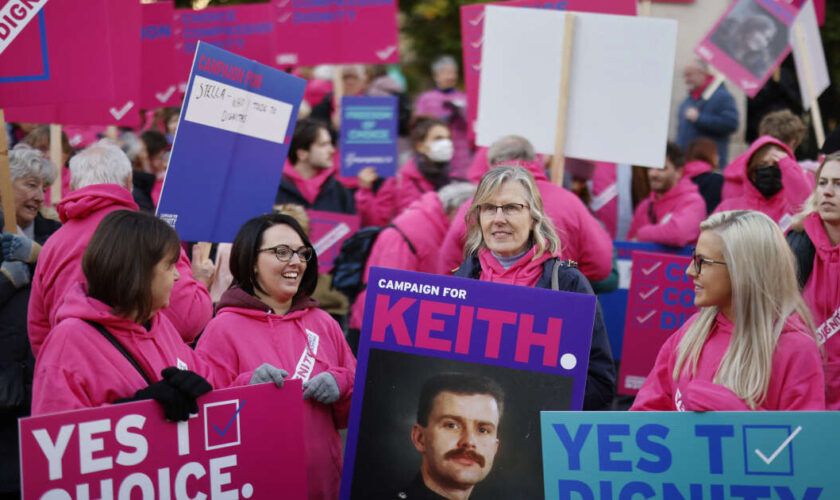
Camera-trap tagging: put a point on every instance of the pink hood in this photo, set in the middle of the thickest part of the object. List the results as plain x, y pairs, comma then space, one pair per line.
696, 167
309, 188
83, 202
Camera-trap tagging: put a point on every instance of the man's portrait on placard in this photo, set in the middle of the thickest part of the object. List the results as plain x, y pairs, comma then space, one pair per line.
751, 36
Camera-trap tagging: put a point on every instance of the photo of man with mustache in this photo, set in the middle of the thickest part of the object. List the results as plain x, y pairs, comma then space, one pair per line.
457, 427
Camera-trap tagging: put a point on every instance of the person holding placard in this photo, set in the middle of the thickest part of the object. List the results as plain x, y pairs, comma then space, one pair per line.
673, 211
309, 175
511, 240
111, 343
815, 241
427, 170
585, 241
101, 177
268, 315
714, 116
751, 346
31, 174
448, 103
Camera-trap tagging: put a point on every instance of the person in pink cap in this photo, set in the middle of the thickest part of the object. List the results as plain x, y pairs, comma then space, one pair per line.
751, 346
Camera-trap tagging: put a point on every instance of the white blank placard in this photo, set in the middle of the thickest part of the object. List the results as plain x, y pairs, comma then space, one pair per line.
812, 53
620, 89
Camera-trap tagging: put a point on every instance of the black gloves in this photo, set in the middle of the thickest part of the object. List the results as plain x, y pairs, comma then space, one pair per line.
177, 393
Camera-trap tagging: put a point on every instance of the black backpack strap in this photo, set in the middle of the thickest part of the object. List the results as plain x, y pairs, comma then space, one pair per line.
804, 251
105, 333
410, 246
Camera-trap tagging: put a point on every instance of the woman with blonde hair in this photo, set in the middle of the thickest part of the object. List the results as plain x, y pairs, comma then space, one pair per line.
815, 241
511, 240
751, 346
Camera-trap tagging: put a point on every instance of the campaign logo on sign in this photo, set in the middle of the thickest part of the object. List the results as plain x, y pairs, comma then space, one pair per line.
221, 424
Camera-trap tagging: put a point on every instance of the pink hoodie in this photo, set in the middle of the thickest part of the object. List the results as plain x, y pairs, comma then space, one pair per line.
796, 378
679, 213
432, 103
582, 238
822, 294
394, 196
696, 167
60, 266
309, 188
798, 184
78, 368
478, 166
424, 223
305, 342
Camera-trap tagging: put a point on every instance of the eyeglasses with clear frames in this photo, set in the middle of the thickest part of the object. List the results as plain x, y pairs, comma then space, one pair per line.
698, 261
508, 209
284, 252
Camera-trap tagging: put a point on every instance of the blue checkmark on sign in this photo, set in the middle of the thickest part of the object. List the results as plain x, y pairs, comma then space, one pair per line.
230, 422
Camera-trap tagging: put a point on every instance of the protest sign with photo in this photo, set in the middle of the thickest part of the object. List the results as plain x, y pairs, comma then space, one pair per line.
621, 67
531, 343
234, 130
472, 36
368, 136
327, 231
716, 455
660, 300
749, 42
131, 451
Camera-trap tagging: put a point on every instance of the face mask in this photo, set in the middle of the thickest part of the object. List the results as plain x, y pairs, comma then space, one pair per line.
440, 151
768, 181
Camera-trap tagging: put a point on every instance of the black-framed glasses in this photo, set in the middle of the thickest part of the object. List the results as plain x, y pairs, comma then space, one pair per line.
698, 261
284, 252
508, 209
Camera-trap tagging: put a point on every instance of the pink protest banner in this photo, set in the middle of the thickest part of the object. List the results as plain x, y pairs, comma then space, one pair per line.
328, 230
244, 441
472, 35
124, 114
54, 56
246, 30
660, 299
316, 32
158, 79
749, 42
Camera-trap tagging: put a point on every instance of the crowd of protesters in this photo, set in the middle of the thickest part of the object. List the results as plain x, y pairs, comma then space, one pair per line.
101, 303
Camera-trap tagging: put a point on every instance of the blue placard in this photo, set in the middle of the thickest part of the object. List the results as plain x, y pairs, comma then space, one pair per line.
614, 304
233, 136
673, 455
533, 342
368, 135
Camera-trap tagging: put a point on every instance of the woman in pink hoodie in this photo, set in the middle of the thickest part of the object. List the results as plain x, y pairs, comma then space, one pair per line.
268, 315
751, 346
511, 240
815, 241
111, 344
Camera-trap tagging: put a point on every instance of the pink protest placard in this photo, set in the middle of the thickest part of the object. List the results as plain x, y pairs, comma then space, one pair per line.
158, 78
472, 35
328, 230
660, 299
246, 30
55, 56
124, 114
245, 442
749, 42
316, 32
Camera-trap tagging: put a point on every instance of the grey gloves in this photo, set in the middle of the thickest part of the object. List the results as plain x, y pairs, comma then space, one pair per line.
268, 373
17, 273
322, 388
17, 247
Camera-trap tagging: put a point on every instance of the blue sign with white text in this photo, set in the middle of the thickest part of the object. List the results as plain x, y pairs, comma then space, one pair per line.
696, 456
368, 135
233, 136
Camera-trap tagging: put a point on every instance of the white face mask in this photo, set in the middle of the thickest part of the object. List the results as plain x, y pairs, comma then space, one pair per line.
441, 150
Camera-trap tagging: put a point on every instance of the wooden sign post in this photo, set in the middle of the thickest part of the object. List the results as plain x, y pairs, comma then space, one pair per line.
559, 159
7, 195
56, 157
816, 116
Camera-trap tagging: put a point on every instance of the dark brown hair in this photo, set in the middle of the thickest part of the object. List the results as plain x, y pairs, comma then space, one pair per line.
420, 126
120, 259
246, 250
703, 149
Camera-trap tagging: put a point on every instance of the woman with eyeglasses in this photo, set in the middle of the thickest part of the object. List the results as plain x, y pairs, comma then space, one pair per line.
815, 241
268, 315
510, 240
751, 346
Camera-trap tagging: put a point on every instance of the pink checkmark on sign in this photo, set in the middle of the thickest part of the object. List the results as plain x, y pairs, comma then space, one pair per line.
643, 319
647, 271
647, 295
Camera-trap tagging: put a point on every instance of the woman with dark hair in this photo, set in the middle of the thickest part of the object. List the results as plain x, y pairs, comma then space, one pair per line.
268, 315
427, 170
110, 345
